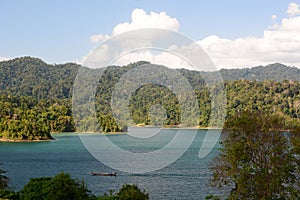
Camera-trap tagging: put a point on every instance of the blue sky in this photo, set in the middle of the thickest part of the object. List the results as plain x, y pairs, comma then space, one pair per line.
60, 31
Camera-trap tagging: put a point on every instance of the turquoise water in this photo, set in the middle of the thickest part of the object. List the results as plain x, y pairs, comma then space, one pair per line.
187, 178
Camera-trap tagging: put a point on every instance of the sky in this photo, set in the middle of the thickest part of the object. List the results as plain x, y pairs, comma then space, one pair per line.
235, 34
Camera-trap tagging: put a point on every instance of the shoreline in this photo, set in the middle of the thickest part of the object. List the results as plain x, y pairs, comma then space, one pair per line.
100, 133
179, 127
22, 140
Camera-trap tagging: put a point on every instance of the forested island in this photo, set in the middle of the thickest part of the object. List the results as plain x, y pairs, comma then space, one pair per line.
36, 97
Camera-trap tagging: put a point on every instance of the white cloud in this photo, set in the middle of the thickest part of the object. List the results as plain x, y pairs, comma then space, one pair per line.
293, 10
4, 58
140, 19
98, 38
164, 58
280, 43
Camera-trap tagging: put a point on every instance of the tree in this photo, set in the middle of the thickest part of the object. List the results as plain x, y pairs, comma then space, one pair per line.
5, 192
295, 137
256, 159
3, 179
127, 192
62, 186
131, 192
295, 140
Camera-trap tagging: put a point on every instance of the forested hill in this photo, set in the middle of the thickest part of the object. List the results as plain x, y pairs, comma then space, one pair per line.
276, 72
32, 77
35, 97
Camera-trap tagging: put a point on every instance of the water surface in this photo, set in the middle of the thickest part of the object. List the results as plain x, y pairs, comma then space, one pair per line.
187, 178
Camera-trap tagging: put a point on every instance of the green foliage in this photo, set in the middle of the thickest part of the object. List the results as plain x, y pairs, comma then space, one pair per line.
256, 158
62, 186
131, 192
36, 97
276, 72
212, 197
59, 187
269, 96
8, 194
295, 142
32, 77
110, 196
295, 137
25, 118
3, 179
127, 192
5, 192
146, 98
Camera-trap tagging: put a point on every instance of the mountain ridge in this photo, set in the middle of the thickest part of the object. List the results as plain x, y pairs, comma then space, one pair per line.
34, 91
275, 71
29, 76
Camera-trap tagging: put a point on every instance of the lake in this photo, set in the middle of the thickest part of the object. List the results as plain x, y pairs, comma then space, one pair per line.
186, 178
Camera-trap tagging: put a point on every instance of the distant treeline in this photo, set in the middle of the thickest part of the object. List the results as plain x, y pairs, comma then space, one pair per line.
36, 98
25, 118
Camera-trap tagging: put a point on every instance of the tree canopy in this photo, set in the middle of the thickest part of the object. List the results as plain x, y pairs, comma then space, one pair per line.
25, 118
35, 97
257, 160
3, 179
62, 186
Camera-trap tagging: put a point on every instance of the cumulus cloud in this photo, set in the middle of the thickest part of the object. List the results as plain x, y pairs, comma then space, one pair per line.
162, 58
98, 38
140, 19
293, 10
279, 43
3, 58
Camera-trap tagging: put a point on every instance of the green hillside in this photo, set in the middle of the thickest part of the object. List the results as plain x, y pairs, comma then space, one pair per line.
32, 77
36, 98
275, 72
